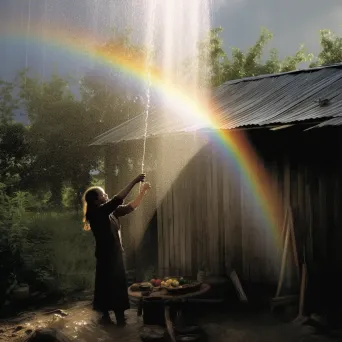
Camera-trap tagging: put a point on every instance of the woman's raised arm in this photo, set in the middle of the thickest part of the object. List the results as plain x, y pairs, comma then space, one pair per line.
118, 199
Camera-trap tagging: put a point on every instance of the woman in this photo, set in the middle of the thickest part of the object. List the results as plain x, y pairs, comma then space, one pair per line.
101, 216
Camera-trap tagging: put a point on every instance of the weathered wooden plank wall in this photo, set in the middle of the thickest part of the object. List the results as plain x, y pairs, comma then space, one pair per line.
175, 204
210, 218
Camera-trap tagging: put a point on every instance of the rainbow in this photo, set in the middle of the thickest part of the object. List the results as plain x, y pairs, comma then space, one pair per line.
82, 45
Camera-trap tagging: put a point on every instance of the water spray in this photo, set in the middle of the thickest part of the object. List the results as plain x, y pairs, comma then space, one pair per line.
150, 43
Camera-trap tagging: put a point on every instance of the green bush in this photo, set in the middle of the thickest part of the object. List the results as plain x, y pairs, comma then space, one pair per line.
59, 252
47, 250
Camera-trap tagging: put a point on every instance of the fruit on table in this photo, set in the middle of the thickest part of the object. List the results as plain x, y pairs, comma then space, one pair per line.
169, 282
175, 283
155, 282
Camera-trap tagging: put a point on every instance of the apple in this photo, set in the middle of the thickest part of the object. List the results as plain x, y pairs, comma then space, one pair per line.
157, 282
175, 283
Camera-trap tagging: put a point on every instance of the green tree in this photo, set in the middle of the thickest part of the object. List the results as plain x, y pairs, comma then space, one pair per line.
222, 68
59, 135
331, 49
211, 58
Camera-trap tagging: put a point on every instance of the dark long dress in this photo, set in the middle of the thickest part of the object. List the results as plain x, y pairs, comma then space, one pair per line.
110, 281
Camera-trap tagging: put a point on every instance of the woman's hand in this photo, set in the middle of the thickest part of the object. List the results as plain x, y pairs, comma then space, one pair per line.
145, 187
140, 178
125, 191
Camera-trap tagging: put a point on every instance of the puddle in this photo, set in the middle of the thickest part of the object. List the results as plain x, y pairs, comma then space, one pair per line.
80, 324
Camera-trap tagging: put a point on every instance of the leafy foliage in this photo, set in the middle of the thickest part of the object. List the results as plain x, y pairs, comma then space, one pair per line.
244, 64
12, 230
331, 49
15, 156
33, 247
60, 133
58, 252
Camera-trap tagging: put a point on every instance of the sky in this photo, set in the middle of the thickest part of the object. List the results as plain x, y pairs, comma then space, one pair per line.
293, 22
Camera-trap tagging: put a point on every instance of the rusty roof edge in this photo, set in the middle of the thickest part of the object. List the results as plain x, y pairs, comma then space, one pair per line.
294, 72
314, 123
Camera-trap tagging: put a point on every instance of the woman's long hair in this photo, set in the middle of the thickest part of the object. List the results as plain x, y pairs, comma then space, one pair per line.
88, 200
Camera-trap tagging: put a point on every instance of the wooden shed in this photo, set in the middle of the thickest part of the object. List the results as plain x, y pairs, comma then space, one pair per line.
208, 214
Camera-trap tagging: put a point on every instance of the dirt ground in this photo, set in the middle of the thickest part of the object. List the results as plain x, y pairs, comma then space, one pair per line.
80, 324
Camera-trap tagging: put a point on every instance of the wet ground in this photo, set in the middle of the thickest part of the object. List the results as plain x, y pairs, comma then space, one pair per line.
81, 324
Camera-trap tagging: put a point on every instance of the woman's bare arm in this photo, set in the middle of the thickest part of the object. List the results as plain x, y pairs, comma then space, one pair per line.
126, 209
136, 202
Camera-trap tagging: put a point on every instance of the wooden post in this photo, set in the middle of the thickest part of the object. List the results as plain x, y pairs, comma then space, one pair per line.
301, 318
289, 236
283, 230
236, 281
302, 290
283, 261
294, 244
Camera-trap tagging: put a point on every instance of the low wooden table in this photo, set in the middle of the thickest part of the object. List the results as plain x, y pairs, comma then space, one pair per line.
162, 293
168, 299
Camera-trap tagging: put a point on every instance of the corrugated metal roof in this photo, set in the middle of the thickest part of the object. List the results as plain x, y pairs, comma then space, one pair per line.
159, 123
255, 101
337, 121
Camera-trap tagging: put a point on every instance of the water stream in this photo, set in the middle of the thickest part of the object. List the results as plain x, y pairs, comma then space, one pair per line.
149, 64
